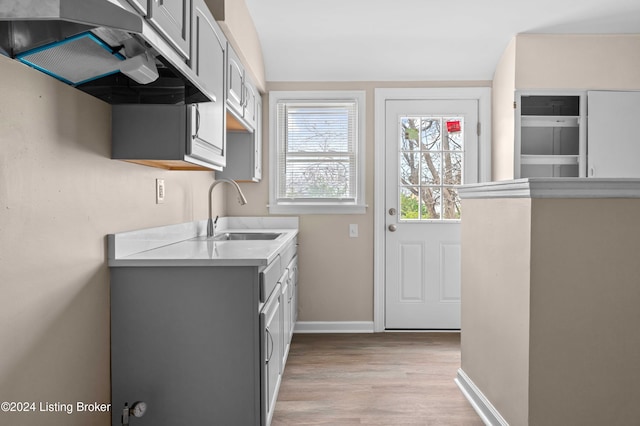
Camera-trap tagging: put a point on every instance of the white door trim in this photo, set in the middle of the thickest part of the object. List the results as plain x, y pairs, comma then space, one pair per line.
483, 95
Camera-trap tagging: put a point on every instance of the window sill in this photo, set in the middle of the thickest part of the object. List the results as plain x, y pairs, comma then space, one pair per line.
317, 209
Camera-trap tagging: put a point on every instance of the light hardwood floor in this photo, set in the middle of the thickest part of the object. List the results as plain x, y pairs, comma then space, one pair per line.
373, 379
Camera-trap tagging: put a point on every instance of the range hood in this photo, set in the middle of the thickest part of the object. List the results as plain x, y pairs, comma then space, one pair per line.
98, 47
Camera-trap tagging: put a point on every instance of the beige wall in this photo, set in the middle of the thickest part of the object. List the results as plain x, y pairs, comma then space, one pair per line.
336, 272
503, 125
550, 300
60, 194
236, 22
609, 62
585, 298
496, 241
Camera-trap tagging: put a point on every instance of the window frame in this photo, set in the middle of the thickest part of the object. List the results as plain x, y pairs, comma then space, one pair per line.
324, 206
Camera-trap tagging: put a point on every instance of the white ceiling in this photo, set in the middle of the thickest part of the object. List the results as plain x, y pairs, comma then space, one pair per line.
422, 40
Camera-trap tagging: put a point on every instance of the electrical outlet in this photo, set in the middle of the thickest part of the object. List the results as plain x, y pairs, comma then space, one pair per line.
353, 230
160, 191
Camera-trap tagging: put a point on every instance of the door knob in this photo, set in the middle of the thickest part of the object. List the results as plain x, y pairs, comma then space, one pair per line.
393, 227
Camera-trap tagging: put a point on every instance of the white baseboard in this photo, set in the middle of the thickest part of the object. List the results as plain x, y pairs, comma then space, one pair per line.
487, 412
333, 327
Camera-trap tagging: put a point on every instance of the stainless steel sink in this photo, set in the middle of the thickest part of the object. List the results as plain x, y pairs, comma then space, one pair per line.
241, 236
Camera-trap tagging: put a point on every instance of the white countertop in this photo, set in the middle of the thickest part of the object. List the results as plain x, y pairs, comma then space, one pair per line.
187, 245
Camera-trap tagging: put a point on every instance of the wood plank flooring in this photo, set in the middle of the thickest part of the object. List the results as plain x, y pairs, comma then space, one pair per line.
373, 379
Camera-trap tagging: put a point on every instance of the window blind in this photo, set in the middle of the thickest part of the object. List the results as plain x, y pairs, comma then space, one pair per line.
317, 150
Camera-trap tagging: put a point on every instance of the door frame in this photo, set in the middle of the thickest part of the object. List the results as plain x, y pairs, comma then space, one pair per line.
382, 95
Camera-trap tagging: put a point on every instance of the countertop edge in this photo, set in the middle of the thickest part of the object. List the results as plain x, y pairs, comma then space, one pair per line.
160, 263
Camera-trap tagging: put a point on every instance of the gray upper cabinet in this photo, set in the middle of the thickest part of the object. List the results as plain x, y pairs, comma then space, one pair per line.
140, 5
208, 50
172, 18
208, 141
257, 142
250, 109
235, 83
208, 62
181, 137
242, 95
244, 124
244, 152
173, 137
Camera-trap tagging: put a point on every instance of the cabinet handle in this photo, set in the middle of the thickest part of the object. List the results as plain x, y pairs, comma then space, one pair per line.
245, 96
272, 345
197, 119
197, 129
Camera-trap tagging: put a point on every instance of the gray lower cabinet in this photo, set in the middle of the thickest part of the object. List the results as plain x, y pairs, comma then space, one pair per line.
200, 345
272, 363
289, 296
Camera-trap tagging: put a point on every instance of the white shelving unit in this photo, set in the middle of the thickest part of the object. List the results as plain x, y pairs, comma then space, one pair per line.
550, 139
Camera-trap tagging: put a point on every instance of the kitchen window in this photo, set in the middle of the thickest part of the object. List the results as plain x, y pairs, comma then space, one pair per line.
316, 152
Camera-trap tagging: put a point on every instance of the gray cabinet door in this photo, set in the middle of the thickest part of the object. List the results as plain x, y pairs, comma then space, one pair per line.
207, 139
208, 50
235, 82
257, 143
613, 142
271, 326
172, 18
250, 102
185, 341
140, 5
286, 318
208, 62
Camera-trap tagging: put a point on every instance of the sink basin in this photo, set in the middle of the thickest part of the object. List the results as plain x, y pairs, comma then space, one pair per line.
242, 236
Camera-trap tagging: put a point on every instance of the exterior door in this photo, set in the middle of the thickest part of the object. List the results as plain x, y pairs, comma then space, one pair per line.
431, 149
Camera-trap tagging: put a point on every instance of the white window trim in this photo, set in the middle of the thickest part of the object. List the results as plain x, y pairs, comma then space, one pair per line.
330, 207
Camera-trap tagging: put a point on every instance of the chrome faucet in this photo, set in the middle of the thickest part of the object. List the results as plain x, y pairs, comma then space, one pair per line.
241, 199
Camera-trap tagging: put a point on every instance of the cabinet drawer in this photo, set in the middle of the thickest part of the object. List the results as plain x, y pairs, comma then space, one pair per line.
269, 278
289, 252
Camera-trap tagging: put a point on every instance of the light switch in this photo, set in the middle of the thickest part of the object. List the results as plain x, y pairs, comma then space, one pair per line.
353, 230
159, 191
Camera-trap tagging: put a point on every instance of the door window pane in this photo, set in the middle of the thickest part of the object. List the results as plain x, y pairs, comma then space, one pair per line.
431, 167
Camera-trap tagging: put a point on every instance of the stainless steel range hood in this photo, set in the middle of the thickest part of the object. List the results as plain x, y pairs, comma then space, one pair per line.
92, 13
96, 46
